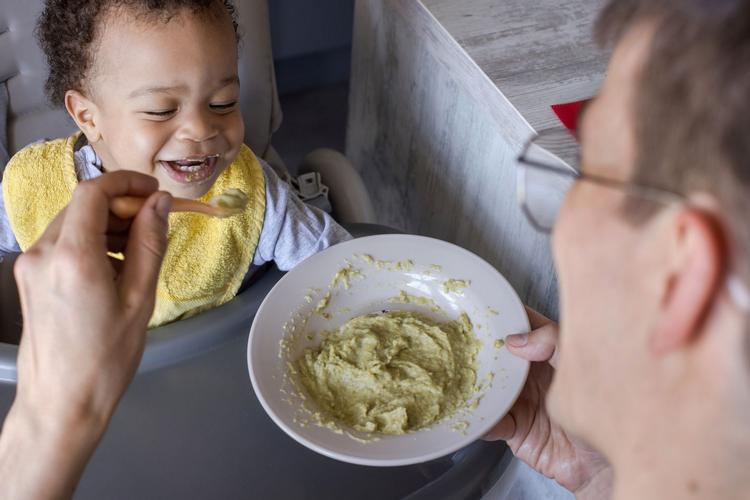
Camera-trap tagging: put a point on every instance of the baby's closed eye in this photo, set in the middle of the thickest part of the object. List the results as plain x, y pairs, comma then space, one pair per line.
164, 112
169, 112
224, 107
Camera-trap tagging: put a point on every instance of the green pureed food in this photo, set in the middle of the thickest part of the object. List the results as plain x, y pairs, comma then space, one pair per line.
394, 372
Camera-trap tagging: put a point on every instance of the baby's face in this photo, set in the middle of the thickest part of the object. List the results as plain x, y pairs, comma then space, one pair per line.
166, 99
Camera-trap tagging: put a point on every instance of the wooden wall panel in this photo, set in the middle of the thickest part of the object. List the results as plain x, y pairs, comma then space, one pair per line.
432, 160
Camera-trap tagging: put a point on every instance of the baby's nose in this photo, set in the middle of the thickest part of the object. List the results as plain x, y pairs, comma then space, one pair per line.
197, 127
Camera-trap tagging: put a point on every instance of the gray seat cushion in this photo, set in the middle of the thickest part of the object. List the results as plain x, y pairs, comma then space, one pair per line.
4, 151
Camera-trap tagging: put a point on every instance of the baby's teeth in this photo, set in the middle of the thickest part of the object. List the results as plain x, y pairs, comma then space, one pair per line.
192, 168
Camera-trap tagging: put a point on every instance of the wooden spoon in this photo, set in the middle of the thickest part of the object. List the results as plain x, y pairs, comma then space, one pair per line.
230, 203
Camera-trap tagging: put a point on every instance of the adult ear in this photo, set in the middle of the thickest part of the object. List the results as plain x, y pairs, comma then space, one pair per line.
85, 113
697, 256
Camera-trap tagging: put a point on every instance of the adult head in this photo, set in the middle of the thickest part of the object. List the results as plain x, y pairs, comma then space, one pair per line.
654, 363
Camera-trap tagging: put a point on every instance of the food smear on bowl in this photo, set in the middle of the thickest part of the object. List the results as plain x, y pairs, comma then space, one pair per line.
406, 298
455, 286
392, 373
365, 258
345, 275
389, 265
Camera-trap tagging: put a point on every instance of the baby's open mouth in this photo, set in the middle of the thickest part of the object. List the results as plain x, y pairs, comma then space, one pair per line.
191, 169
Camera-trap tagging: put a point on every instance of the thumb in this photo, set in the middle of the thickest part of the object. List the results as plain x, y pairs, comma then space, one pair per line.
539, 345
144, 253
505, 430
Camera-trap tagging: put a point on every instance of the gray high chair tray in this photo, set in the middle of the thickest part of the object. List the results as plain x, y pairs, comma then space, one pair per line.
190, 426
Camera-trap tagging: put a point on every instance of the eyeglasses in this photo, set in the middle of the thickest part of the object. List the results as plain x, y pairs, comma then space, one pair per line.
550, 165
548, 168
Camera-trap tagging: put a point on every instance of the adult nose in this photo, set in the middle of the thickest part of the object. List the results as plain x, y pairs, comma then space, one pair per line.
197, 126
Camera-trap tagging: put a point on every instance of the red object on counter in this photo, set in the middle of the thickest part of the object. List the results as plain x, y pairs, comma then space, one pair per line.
568, 114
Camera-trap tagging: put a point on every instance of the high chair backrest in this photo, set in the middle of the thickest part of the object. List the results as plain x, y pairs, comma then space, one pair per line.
23, 69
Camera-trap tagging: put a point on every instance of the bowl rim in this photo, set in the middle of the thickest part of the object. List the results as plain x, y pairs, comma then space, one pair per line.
380, 462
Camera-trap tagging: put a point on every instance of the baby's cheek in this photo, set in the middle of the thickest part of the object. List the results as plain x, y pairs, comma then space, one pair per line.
235, 130
140, 150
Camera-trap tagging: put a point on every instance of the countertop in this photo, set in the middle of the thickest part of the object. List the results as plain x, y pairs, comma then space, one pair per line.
513, 57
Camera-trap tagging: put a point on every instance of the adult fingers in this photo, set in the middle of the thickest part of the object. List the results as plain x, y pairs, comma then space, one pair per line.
145, 250
536, 319
504, 430
539, 345
118, 225
87, 218
117, 233
29, 264
117, 267
116, 242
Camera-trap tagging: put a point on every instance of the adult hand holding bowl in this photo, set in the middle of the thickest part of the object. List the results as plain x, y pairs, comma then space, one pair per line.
368, 276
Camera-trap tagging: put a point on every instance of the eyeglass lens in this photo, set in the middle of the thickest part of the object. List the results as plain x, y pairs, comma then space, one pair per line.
545, 189
545, 193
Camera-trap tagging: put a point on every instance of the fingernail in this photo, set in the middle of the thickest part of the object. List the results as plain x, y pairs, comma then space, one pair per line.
163, 206
517, 340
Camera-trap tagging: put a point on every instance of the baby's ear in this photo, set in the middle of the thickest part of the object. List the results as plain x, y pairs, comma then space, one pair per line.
85, 113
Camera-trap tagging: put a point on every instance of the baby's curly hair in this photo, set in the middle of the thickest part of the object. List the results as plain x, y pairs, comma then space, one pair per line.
66, 30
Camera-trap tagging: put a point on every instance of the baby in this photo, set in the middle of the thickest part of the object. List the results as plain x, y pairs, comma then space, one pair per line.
153, 86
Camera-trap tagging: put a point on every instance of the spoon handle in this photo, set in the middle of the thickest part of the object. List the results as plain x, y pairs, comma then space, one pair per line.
126, 207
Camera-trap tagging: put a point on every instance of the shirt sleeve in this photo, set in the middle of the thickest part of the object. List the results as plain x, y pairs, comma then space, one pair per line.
292, 231
8, 242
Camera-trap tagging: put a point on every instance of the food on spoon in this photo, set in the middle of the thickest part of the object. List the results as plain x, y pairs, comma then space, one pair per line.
231, 202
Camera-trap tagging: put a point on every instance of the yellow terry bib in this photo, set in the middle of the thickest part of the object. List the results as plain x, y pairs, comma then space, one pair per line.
206, 259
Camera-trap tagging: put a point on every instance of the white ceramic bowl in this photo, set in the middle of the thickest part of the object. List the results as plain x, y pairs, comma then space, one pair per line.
487, 294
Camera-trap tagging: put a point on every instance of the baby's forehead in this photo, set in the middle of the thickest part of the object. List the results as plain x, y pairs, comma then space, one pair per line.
130, 34
135, 17
140, 16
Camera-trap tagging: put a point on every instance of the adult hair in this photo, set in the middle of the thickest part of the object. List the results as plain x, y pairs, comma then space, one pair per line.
692, 103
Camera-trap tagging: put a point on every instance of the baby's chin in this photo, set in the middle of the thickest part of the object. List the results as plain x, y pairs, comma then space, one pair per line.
192, 192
